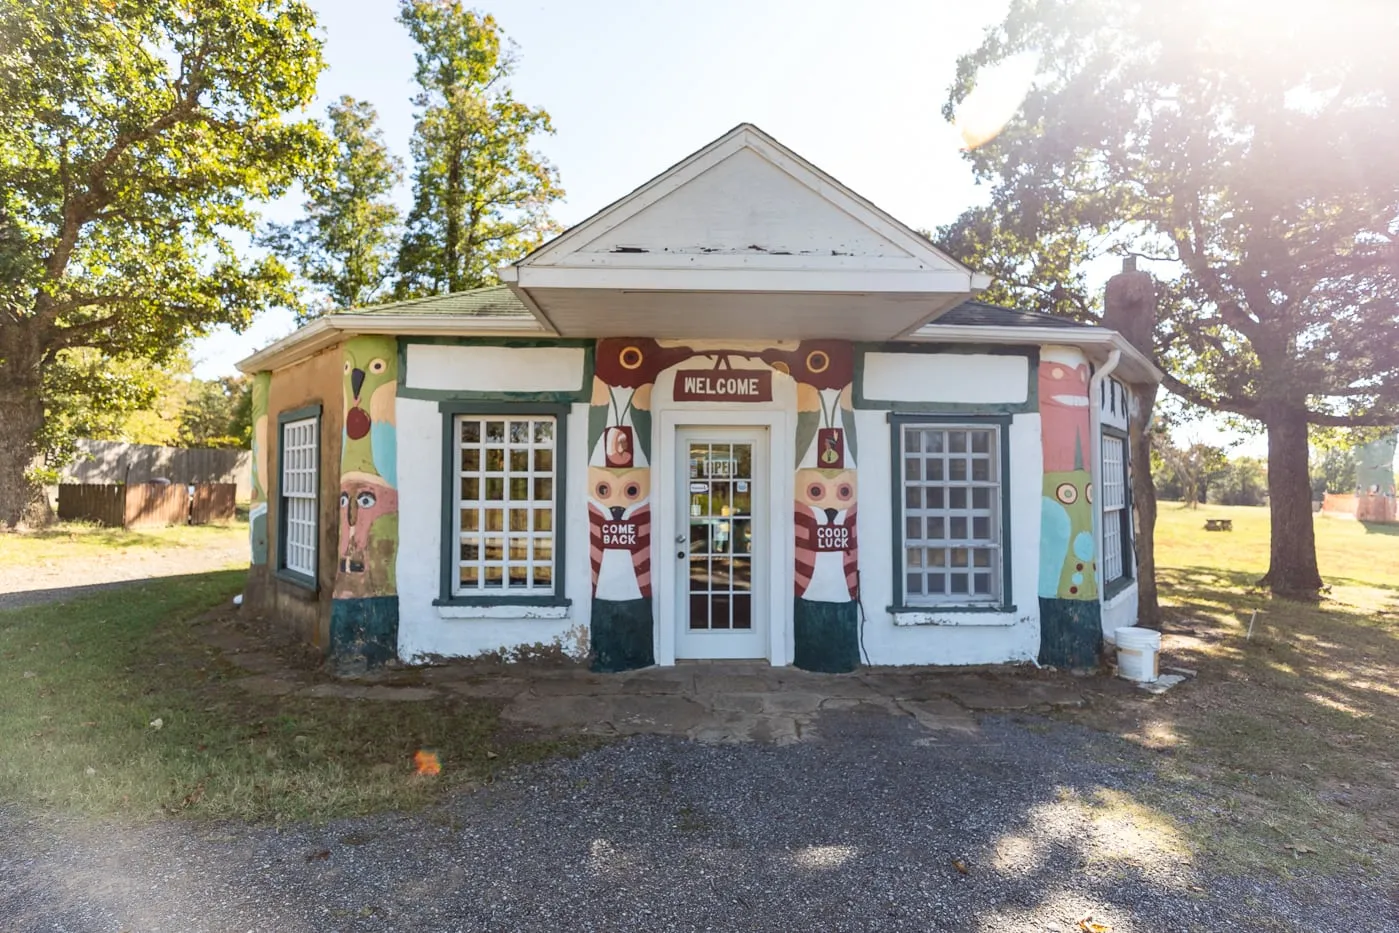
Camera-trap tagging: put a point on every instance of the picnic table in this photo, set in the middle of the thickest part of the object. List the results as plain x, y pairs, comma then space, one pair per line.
1219, 524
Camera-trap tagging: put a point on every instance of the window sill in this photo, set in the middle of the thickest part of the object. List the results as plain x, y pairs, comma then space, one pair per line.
298, 580
1117, 587
954, 615
504, 607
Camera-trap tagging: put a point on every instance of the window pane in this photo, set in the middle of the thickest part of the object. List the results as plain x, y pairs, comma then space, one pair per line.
512, 547
981, 498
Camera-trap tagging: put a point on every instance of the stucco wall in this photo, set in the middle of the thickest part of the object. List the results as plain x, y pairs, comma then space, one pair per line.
313, 381
423, 628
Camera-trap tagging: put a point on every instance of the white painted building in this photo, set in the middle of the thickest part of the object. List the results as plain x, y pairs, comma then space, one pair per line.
739, 413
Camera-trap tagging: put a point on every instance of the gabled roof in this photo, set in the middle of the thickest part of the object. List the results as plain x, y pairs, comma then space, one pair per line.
981, 314
491, 301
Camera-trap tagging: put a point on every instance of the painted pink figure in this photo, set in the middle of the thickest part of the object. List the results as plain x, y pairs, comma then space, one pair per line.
368, 536
1064, 405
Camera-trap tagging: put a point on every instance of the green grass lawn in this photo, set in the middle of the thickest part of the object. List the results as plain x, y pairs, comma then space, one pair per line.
85, 680
1286, 747
73, 541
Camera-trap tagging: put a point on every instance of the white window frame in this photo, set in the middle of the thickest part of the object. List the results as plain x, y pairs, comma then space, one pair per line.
1117, 547
965, 527
523, 457
299, 497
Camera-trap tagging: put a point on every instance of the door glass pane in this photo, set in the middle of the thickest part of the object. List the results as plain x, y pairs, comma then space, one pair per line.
720, 502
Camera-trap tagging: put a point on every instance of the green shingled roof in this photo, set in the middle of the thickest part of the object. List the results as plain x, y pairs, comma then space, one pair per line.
500, 301
492, 301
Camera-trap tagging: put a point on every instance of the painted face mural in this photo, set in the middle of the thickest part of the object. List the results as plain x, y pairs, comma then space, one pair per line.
371, 385
368, 537
1064, 404
1068, 562
827, 548
369, 470
619, 532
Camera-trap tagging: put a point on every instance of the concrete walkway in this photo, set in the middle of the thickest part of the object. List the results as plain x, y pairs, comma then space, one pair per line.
714, 702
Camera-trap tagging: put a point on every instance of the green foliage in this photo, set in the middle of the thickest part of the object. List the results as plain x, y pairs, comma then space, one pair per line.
136, 137
481, 196
1191, 133
1185, 473
344, 246
1333, 471
1241, 481
210, 416
90, 395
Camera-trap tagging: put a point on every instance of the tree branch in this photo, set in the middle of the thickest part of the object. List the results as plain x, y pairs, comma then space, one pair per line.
1246, 407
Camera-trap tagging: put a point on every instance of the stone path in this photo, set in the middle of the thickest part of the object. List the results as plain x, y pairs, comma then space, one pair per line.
713, 702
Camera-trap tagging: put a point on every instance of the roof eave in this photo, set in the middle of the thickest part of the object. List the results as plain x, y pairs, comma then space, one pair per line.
331, 329
1134, 367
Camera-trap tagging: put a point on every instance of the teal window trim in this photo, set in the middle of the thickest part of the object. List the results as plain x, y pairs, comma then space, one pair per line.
294, 577
1129, 544
450, 410
968, 409
582, 394
898, 420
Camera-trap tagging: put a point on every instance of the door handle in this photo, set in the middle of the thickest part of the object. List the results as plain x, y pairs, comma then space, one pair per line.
680, 539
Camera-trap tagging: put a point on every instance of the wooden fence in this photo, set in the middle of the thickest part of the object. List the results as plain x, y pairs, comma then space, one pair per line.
132, 505
105, 462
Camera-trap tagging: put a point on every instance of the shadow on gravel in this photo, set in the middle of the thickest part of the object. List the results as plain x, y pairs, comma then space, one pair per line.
869, 827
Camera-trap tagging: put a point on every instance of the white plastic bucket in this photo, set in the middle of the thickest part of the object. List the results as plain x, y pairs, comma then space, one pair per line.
1138, 654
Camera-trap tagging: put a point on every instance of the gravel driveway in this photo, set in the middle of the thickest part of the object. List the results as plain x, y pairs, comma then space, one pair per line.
856, 830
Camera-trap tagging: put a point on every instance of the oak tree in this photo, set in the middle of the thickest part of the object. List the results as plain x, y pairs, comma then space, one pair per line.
135, 137
1249, 151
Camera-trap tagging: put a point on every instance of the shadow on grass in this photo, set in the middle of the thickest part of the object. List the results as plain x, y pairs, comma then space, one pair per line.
1294, 726
1381, 528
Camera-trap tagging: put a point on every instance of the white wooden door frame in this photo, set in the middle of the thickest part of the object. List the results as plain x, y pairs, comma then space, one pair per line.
780, 533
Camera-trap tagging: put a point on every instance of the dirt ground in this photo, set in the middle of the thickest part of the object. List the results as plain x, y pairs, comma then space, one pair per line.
70, 561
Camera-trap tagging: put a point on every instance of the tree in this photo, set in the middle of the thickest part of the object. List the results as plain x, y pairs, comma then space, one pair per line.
1241, 481
1190, 468
481, 197
210, 417
1333, 471
132, 136
1194, 134
345, 244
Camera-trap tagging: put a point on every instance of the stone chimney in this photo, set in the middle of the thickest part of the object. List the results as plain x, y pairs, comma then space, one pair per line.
1129, 307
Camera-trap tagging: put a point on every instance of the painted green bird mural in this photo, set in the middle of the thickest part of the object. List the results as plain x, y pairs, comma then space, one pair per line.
371, 384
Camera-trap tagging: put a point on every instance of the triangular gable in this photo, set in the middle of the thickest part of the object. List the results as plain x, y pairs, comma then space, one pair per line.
744, 195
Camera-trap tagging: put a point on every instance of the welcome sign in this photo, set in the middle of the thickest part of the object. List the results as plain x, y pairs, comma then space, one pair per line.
723, 385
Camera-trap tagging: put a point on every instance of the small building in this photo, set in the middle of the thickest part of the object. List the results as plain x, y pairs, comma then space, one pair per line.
740, 413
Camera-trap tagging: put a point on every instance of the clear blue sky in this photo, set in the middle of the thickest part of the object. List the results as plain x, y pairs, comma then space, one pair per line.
635, 86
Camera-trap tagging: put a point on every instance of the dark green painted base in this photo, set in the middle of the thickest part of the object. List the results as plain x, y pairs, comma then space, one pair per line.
363, 632
826, 636
1071, 633
623, 635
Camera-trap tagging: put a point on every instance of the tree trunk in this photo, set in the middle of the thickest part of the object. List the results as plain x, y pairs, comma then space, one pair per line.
22, 501
1144, 505
1292, 570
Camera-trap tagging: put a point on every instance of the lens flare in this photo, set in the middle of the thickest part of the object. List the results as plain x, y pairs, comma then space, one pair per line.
427, 763
999, 92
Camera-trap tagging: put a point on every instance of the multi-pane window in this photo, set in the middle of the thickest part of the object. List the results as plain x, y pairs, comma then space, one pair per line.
1115, 527
299, 484
505, 505
951, 517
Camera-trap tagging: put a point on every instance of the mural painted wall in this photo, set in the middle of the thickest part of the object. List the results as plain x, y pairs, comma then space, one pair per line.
620, 447
364, 611
1070, 615
257, 513
1374, 481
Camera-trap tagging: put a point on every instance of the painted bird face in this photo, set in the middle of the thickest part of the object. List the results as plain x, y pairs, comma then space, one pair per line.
370, 362
629, 363
831, 491
617, 492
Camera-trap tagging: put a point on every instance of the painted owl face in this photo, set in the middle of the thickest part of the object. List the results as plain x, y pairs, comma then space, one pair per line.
617, 492
823, 364
832, 491
628, 363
